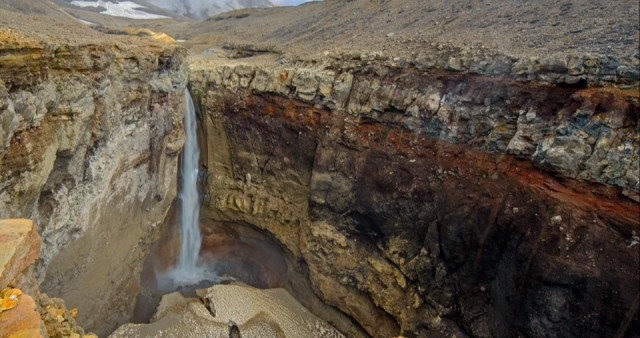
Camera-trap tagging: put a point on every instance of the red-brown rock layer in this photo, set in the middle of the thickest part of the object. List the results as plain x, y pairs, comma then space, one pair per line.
488, 220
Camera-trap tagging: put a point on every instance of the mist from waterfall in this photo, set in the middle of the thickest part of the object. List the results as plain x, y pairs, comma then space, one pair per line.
187, 271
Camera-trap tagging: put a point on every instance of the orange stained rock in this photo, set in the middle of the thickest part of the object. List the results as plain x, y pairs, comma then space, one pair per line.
8, 292
21, 321
9, 299
19, 248
7, 304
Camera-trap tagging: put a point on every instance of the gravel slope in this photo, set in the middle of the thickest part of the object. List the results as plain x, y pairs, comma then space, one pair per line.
517, 28
513, 27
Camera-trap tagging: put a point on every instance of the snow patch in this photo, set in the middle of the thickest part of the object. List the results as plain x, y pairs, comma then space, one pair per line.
127, 9
86, 22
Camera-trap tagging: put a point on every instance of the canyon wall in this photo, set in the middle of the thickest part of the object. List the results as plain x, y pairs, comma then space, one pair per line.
474, 195
89, 142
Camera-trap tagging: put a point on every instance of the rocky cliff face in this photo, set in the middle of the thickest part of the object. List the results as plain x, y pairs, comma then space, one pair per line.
428, 198
89, 140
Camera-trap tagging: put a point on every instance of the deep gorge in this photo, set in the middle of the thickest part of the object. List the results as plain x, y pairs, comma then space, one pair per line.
418, 198
448, 194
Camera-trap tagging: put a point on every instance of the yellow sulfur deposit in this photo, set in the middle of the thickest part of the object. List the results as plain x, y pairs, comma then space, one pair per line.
9, 298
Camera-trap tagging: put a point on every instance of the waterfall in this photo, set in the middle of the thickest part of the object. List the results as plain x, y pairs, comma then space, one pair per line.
187, 271
190, 238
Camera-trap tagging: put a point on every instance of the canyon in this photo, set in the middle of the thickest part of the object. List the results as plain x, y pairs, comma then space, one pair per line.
412, 186
383, 179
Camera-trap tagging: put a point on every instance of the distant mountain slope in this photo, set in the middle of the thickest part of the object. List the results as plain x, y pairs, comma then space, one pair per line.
202, 9
176, 9
36, 22
541, 28
113, 12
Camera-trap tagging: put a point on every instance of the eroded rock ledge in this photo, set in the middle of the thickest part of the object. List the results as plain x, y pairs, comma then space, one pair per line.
433, 201
588, 133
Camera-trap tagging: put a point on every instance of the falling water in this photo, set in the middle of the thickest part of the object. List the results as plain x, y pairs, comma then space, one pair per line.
190, 239
186, 271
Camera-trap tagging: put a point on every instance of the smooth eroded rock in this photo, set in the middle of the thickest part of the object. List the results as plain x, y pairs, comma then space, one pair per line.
238, 308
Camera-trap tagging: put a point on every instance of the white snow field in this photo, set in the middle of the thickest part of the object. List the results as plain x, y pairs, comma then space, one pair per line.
127, 9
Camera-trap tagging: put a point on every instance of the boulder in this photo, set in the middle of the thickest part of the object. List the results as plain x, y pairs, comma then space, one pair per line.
22, 320
19, 248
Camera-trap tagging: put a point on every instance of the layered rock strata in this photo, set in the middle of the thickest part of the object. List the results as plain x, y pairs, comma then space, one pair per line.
431, 200
88, 149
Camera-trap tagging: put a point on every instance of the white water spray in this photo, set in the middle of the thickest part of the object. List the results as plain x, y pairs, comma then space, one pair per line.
190, 238
186, 271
